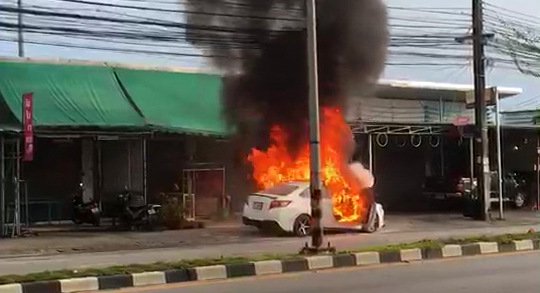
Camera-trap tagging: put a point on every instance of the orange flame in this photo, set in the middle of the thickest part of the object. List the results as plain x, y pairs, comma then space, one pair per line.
276, 165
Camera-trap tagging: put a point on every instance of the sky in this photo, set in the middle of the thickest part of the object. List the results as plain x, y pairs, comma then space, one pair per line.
530, 99
500, 77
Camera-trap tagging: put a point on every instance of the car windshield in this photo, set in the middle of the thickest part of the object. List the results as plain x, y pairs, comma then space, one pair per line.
281, 190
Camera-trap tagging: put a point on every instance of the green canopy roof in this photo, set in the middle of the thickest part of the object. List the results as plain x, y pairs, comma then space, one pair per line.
84, 97
67, 95
177, 102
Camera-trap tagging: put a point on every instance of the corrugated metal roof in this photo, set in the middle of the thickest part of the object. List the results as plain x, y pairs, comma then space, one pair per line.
406, 111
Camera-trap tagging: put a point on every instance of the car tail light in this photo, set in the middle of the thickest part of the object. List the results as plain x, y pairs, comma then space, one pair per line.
279, 204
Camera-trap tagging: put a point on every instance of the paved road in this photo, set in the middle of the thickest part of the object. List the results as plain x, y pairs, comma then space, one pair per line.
494, 274
249, 247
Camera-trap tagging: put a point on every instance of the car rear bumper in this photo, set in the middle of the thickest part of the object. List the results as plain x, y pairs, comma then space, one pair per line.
267, 224
258, 218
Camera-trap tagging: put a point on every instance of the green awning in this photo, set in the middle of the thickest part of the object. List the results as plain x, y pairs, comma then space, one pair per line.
67, 95
176, 102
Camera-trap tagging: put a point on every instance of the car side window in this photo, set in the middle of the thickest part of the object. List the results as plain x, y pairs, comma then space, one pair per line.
305, 193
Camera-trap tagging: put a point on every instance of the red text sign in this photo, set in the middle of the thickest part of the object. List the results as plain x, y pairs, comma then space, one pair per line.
28, 126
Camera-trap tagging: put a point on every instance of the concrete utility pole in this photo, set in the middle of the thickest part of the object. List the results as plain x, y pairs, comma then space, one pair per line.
20, 28
481, 149
314, 129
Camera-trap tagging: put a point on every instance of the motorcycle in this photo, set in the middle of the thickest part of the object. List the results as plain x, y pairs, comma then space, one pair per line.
85, 212
135, 213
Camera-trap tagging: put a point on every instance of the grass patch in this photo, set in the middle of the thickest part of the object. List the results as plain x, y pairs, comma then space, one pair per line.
504, 239
186, 264
423, 244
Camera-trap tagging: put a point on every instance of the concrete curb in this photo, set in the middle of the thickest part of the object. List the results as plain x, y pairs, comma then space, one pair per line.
236, 270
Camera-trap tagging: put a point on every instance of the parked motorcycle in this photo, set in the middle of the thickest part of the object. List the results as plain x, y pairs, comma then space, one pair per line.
85, 212
135, 213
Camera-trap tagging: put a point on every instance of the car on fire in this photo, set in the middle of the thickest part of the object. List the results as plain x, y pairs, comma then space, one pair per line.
286, 208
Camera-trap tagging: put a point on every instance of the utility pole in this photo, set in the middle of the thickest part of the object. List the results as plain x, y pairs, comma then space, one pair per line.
481, 149
314, 131
500, 186
20, 28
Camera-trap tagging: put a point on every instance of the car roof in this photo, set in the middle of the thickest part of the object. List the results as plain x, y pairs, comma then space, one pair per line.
300, 184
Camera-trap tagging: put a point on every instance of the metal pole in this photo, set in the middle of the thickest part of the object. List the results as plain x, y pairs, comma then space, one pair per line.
471, 158
481, 146
499, 154
2, 188
538, 172
314, 128
129, 164
441, 147
145, 170
20, 29
441, 151
26, 205
224, 195
17, 220
370, 152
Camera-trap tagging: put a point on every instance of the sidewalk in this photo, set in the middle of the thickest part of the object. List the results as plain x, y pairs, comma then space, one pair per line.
227, 240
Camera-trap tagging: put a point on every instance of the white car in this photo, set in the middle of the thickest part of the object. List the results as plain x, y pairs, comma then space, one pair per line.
286, 208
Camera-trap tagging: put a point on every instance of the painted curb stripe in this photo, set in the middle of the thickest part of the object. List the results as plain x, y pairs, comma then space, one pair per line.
79, 284
507, 247
11, 288
432, 253
367, 258
294, 265
488, 247
41, 287
522, 245
211, 273
240, 270
410, 255
390, 256
266, 267
177, 276
148, 278
452, 251
344, 260
115, 282
320, 262
470, 249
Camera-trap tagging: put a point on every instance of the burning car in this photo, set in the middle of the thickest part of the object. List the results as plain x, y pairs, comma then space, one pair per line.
286, 208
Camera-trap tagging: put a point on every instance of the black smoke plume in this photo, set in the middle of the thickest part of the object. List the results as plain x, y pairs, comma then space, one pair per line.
264, 56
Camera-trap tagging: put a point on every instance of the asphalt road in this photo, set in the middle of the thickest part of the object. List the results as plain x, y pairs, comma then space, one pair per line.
494, 274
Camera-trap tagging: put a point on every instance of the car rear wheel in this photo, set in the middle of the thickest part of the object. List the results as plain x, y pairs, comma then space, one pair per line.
302, 226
